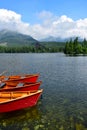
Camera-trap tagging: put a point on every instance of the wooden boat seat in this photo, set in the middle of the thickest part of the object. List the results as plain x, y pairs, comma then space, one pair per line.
12, 95
4, 95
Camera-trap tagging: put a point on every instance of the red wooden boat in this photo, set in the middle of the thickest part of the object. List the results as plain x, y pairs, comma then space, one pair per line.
3, 77
11, 101
28, 78
20, 86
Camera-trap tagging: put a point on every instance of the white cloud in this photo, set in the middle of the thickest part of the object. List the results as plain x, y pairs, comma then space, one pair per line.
12, 21
45, 15
51, 25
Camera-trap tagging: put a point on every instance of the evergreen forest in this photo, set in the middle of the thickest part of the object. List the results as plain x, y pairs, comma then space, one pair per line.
71, 48
76, 47
30, 49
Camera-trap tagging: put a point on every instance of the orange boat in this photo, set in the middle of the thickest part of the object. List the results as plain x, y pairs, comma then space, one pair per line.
17, 78
16, 100
20, 86
3, 77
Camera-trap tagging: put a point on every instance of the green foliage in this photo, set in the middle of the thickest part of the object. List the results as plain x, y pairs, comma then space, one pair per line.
51, 44
29, 49
14, 42
13, 39
75, 47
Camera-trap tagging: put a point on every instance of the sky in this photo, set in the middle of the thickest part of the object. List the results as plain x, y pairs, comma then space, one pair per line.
44, 18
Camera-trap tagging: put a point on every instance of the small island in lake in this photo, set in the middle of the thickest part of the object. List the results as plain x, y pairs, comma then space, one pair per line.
76, 47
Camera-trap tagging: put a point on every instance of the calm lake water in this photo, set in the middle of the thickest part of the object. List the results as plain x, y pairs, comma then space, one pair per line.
64, 102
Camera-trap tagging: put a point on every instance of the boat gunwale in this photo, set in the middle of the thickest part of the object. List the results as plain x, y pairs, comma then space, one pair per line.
22, 97
24, 86
22, 77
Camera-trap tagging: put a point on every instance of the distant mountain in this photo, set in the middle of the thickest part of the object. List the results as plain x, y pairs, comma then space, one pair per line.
11, 38
55, 39
58, 39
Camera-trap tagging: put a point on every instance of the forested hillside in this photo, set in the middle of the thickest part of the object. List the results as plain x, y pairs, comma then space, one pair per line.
12, 42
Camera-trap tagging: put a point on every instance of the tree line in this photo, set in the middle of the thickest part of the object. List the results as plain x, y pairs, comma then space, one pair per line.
72, 47
75, 47
30, 49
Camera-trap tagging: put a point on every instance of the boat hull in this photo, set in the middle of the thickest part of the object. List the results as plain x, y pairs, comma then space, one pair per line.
29, 79
20, 103
19, 87
13, 77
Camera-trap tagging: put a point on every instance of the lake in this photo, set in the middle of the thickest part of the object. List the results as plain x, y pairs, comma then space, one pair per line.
63, 105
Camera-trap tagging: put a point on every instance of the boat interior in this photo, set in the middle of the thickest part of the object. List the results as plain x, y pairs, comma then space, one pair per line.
6, 96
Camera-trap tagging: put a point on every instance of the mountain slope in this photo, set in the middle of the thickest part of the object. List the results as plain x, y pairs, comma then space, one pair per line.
11, 38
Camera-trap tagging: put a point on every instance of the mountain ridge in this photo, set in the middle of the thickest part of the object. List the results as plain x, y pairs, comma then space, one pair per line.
13, 38
58, 39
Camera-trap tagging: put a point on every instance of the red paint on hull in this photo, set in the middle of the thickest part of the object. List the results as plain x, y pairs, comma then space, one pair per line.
20, 103
26, 87
29, 79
